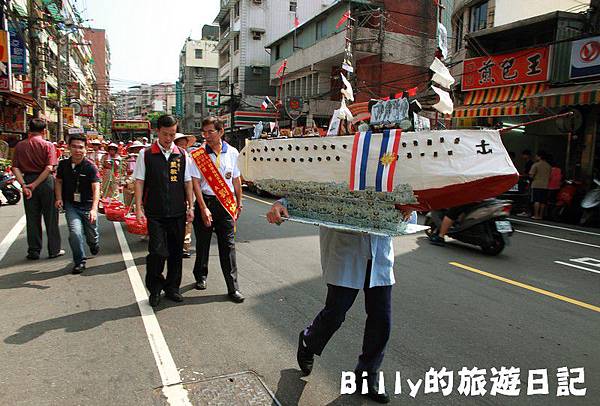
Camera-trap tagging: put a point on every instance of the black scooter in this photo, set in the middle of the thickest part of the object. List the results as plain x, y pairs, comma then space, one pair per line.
10, 192
485, 225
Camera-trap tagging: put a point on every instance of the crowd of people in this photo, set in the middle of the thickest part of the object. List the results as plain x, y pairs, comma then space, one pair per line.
159, 182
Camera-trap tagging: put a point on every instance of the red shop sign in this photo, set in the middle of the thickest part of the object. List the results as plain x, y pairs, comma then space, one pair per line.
526, 66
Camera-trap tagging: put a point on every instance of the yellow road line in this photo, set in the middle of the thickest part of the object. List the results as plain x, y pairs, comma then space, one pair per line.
258, 200
528, 287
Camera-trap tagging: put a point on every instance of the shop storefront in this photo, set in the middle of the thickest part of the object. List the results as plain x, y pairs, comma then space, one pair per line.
13, 118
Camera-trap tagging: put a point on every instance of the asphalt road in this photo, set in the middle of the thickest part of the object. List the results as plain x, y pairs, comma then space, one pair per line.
75, 340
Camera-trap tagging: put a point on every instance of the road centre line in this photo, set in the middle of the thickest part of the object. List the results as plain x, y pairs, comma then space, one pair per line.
577, 266
527, 287
11, 237
173, 389
558, 239
552, 226
258, 200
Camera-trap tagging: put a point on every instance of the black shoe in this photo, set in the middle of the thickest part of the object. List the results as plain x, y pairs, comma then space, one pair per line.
58, 254
236, 297
373, 388
201, 285
33, 257
154, 299
94, 250
186, 254
306, 359
79, 268
174, 296
437, 240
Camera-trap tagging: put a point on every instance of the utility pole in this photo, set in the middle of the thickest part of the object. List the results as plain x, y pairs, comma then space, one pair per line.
59, 99
33, 55
232, 110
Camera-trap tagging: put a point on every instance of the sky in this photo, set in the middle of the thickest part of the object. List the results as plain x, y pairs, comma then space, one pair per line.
146, 36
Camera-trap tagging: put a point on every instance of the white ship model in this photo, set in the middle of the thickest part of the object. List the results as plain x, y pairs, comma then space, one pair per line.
361, 180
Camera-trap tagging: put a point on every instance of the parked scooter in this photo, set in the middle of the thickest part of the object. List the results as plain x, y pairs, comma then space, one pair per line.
10, 192
485, 225
590, 204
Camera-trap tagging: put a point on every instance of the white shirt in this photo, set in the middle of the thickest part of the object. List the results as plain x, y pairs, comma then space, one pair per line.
228, 167
140, 165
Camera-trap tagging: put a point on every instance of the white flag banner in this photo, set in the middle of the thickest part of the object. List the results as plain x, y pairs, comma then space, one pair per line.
443, 40
344, 112
441, 75
334, 124
272, 126
348, 92
445, 105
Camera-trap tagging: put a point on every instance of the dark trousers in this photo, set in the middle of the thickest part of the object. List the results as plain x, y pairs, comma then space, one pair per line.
165, 245
224, 226
41, 205
377, 327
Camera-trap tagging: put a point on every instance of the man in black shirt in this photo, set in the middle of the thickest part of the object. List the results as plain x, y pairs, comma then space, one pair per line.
78, 192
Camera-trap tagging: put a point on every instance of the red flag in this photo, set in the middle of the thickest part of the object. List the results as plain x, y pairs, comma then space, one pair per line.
386, 98
412, 92
399, 95
281, 68
344, 18
296, 22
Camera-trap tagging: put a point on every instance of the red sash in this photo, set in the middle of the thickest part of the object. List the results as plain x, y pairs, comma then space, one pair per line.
215, 181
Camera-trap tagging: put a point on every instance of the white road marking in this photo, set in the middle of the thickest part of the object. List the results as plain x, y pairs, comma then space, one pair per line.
259, 200
11, 237
559, 239
577, 266
173, 389
551, 226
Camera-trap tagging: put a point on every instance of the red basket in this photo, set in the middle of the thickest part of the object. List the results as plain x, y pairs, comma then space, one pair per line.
136, 227
116, 211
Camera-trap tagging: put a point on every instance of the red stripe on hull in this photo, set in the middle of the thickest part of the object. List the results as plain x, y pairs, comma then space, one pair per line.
459, 194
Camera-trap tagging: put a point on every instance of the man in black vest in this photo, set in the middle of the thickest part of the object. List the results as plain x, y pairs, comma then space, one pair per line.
164, 193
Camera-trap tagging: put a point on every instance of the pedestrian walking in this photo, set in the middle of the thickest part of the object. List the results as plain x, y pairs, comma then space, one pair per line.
540, 175
185, 142
218, 189
351, 262
78, 193
164, 193
33, 162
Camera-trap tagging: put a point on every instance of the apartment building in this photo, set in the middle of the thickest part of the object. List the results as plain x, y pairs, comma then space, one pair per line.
198, 73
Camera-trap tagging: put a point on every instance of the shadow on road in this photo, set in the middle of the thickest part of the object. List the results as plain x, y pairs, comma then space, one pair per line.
72, 323
290, 386
25, 279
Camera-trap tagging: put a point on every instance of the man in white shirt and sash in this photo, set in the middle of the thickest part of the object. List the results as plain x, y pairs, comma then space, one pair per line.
218, 189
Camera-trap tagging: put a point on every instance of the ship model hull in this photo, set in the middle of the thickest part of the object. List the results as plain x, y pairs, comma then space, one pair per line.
426, 170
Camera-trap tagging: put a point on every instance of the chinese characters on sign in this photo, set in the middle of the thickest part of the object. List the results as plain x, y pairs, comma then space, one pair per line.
4, 61
528, 66
475, 382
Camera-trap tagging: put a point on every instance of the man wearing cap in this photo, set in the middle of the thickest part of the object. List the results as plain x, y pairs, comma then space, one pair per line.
164, 193
129, 182
111, 164
218, 190
185, 142
33, 161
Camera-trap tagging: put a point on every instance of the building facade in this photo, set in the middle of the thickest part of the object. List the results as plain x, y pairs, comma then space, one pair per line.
246, 27
101, 64
198, 73
60, 64
393, 45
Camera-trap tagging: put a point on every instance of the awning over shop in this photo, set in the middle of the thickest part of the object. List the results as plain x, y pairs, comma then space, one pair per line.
498, 102
19, 98
564, 96
504, 94
491, 110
